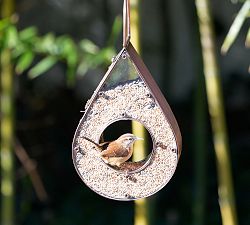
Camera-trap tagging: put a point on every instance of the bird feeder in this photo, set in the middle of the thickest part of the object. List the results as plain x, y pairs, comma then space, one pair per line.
127, 92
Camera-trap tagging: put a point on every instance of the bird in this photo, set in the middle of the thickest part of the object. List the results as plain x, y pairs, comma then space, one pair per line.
118, 151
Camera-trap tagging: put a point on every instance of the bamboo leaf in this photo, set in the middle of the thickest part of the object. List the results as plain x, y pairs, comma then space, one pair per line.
84, 65
104, 56
88, 46
71, 75
4, 23
68, 52
24, 62
46, 44
248, 39
235, 27
11, 38
43, 66
65, 45
28, 33
19, 50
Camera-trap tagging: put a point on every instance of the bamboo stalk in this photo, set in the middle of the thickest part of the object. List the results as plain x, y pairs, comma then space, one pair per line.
7, 132
217, 115
7, 128
141, 206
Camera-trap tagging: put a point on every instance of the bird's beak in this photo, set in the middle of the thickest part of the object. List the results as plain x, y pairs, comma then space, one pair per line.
138, 138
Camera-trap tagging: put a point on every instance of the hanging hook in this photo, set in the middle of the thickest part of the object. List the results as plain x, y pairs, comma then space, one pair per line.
126, 23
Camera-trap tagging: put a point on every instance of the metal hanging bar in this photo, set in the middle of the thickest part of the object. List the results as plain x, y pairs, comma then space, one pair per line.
126, 23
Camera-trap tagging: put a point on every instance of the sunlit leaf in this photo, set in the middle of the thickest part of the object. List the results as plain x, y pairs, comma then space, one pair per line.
43, 66
64, 43
104, 56
11, 38
24, 62
84, 65
47, 44
19, 50
88, 46
28, 33
68, 52
235, 27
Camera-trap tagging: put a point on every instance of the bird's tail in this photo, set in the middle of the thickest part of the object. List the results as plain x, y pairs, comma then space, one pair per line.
97, 145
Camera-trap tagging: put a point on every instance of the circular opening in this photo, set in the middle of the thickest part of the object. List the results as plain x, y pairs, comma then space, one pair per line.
142, 149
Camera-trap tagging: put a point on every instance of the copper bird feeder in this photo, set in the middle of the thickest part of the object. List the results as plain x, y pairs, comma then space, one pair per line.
127, 92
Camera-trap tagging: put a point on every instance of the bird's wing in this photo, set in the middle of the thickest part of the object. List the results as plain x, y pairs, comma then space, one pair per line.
110, 153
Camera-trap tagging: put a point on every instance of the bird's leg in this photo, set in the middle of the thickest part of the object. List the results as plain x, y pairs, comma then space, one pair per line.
130, 176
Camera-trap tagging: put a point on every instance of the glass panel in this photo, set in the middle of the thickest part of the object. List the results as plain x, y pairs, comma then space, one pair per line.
123, 71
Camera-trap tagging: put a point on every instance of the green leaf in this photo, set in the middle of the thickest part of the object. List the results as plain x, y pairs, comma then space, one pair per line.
24, 62
19, 50
47, 45
72, 60
85, 65
88, 46
28, 33
43, 66
104, 56
67, 49
11, 38
235, 27
71, 75
4, 23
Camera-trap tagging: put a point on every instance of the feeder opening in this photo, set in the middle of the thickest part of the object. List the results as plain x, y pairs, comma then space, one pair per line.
142, 149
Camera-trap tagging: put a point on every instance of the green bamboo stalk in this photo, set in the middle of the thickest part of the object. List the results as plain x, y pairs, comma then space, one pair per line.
141, 206
7, 132
7, 128
217, 115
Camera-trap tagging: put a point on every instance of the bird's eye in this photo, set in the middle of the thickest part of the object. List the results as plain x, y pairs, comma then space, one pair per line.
130, 139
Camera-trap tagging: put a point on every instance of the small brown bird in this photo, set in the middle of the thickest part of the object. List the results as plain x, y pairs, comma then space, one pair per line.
117, 152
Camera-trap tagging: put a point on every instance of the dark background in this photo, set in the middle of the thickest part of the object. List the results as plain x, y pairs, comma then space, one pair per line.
48, 111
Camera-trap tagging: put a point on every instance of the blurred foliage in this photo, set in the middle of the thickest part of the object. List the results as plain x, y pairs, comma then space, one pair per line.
236, 26
248, 39
79, 57
47, 112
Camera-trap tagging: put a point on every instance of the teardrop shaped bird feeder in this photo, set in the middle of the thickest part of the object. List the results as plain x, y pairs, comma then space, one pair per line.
127, 92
